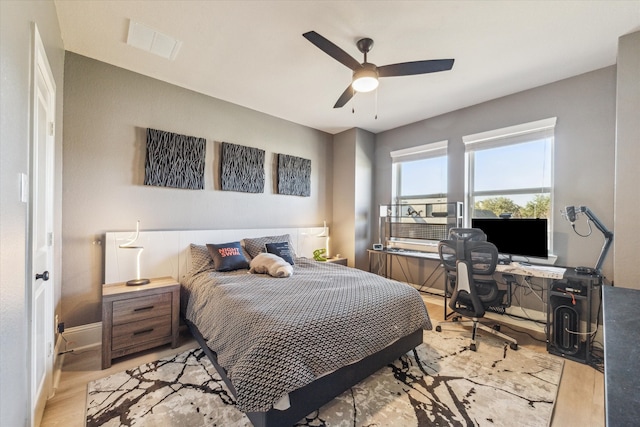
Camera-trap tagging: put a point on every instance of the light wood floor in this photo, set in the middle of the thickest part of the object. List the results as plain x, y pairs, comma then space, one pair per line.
580, 396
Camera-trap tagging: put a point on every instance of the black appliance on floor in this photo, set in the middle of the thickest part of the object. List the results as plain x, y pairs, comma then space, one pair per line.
571, 310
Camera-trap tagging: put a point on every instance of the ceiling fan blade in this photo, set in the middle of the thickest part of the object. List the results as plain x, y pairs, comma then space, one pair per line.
345, 97
415, 67
332, 50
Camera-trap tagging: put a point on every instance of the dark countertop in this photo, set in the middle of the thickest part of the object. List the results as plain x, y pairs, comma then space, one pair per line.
621, 319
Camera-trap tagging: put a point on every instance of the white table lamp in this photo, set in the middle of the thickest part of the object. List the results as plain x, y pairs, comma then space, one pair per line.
131, 245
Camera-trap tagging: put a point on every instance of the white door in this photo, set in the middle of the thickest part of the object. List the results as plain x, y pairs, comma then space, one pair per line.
41, 230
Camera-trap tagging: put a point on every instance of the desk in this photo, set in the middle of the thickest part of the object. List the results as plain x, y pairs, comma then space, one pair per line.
525, 269
433, 272
568, 310
517, 268
621, 317
385, 265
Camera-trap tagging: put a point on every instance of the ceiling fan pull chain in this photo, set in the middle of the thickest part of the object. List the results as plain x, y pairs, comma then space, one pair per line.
376, 118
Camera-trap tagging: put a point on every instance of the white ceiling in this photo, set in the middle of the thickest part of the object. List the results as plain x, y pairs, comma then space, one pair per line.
252, 53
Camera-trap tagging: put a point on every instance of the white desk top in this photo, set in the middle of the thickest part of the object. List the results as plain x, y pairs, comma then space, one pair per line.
521, 269
409, 253
543, 271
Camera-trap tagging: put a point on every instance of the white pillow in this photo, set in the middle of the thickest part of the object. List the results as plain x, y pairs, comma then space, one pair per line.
270, 264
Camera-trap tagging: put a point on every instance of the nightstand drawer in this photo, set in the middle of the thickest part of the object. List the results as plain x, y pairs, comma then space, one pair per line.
136, 318
136, 309
131, 334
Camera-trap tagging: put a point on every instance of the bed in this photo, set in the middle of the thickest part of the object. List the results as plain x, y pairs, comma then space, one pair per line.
287, 346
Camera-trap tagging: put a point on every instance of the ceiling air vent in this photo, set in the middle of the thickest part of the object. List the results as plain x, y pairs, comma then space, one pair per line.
153, 41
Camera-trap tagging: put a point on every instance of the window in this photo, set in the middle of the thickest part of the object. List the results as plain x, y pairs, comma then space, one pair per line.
509, 170
419, 180
420, 174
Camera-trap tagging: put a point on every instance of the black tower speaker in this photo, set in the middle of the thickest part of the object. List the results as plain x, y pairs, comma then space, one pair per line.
566, 322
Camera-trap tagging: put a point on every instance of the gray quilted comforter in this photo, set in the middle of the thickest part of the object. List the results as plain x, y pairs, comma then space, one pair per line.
275, 335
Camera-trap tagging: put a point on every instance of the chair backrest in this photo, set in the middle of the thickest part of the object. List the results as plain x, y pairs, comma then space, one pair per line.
468, 234
465, 258
482, 256
464, 298
454, 248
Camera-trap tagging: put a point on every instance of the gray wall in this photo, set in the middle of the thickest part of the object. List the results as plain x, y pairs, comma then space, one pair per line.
344, 195
352, 201
626, 244
364, 212
17, 18
583, 155
107, 111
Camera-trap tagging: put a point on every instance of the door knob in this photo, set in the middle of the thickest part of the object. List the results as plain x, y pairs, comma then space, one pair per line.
44, 276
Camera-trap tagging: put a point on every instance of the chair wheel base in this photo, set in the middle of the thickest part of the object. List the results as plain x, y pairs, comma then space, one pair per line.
438, 328
472, 347
513, 346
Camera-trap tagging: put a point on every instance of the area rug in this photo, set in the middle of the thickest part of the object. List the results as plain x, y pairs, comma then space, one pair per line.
442, 383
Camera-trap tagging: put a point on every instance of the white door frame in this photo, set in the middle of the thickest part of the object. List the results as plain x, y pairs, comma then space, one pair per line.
40, 287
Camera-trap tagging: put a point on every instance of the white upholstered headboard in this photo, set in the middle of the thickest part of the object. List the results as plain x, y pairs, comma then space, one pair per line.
166, 252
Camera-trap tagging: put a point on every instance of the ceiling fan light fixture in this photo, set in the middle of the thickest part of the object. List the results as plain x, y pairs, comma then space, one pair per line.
366, 74
365, 79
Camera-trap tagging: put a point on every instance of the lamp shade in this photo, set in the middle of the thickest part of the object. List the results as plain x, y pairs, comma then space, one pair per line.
325, 230
365, 79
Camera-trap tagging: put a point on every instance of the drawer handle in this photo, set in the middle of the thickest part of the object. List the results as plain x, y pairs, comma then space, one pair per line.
149, 307
145, 331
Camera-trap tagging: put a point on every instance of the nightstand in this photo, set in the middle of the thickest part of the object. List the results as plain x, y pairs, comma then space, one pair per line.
136, 318
341, 261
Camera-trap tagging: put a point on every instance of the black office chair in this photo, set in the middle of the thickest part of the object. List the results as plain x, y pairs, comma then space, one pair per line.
469, 262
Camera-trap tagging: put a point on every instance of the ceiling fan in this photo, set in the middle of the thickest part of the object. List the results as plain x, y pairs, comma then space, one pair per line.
365, 75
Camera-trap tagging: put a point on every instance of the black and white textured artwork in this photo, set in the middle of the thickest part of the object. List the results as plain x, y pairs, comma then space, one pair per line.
294, 175
241, 168
174, 160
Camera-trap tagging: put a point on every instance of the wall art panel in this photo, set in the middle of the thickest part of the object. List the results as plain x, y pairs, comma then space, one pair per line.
241, 168
294, 175
174, 160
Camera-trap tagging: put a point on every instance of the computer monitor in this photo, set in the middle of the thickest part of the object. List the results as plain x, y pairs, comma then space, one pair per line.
525, 237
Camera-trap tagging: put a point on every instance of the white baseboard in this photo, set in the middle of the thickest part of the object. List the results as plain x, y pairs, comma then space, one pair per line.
73, 339
58, 360
82, 337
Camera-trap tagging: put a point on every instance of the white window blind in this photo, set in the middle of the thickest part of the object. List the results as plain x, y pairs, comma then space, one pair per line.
426, 151
539, 129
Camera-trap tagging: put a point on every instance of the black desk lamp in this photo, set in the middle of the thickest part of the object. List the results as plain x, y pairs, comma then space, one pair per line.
570, 212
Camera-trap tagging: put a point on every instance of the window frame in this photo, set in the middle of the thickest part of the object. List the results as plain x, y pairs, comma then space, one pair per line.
503, 137
422, 152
